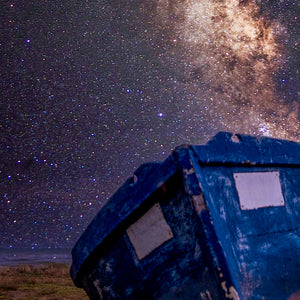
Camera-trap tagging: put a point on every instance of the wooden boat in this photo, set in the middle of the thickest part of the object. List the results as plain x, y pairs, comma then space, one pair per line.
215, 221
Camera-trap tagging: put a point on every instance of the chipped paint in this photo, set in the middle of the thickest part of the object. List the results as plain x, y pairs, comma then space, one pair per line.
108, 268
189, 171
236, 252
96, 283
235, 138
199, 203
205, 295
230, 293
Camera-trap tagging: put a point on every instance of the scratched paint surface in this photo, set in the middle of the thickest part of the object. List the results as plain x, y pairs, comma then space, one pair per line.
177, 267
262, 246
217, 250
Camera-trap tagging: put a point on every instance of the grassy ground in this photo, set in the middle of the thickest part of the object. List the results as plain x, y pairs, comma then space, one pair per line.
46, 281
50, 281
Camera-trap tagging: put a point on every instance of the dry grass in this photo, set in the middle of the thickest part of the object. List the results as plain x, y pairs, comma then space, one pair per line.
46, 281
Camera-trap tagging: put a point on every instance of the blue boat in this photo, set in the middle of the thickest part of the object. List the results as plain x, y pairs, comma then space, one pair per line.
214, 221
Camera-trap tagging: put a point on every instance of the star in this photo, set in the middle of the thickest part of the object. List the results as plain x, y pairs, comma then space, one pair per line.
91, 90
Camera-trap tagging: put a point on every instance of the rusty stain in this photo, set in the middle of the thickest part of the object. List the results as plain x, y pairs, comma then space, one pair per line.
295, 296
230, 293
189, 171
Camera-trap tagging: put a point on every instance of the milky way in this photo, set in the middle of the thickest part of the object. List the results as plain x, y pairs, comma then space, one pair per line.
92, 89
233, 50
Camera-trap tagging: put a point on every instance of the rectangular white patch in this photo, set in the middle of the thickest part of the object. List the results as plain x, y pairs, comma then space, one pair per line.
149, 232
258, 189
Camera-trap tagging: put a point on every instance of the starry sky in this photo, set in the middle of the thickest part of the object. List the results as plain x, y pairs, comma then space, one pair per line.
90, 89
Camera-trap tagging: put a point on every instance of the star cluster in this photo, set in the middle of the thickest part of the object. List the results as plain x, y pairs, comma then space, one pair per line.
92, 89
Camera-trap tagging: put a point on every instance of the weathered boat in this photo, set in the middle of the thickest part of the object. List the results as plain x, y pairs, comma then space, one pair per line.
215, 221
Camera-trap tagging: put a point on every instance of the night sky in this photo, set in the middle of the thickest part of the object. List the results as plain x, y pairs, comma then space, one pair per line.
92, 89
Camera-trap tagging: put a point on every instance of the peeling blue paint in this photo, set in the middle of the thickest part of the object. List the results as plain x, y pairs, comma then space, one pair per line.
217, 249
